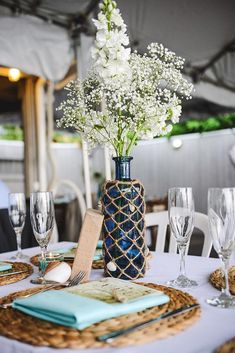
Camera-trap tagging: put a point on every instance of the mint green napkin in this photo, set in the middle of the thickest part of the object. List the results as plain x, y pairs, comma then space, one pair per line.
99, 244
4, 266
89, 303
71, 251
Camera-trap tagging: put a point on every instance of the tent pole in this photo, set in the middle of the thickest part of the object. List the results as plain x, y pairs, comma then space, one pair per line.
55, 181
107, 164
41, 134
50, 128
30, 146
87, 176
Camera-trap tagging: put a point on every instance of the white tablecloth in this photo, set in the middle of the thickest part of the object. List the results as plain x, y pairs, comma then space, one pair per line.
214, 327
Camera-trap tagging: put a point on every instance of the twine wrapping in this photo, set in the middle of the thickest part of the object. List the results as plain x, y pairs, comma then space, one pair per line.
124, 246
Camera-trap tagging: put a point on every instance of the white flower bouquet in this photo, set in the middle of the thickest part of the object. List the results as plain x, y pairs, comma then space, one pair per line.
126, 96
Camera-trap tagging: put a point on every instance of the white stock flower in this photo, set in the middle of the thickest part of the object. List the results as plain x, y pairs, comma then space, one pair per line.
102, 38
101, 23
116, 18
111, 58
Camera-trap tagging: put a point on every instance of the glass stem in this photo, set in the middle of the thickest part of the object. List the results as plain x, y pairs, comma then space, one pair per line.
18, 240
182, 249
225, 290
43, 261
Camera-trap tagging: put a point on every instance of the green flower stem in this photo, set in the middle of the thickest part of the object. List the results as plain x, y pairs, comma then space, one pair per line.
120, 141
121, 147
131, 144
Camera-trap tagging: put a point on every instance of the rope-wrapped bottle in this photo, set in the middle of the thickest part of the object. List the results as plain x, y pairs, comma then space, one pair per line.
124, 208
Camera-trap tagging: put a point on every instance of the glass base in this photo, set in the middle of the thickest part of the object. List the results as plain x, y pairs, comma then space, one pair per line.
182, 282
40, 280
20, 256
222, 301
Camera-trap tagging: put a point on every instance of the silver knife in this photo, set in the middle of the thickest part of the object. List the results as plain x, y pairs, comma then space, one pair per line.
109, 337
12, 273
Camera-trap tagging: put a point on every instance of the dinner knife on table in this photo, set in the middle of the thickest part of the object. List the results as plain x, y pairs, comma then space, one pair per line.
109, 337
12, 273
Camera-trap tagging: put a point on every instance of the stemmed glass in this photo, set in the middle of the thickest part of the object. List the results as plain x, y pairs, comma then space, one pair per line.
17, 215
42, 220
181, 216
221, 213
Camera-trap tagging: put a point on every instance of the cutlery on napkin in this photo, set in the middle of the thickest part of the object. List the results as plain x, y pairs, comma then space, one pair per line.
109, 337
72, 282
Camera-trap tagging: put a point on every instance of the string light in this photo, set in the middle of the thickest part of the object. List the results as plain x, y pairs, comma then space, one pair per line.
14, 75
176, 143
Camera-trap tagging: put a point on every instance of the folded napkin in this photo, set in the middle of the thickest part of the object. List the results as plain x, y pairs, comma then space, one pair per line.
99, 244
98, 254
85, 304
70, 252
4, 266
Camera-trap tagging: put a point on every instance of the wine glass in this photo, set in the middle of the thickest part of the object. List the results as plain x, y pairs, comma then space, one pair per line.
181, 216
221, 214
42, 220
17, 215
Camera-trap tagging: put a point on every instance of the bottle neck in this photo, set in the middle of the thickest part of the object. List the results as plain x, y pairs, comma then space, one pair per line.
122, 167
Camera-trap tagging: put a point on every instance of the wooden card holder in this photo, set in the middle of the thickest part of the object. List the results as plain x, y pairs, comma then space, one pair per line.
89, 236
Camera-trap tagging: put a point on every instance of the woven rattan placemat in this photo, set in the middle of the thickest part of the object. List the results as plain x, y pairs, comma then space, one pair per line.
228, 347
217, 279
18, 326
16, 266
97, 264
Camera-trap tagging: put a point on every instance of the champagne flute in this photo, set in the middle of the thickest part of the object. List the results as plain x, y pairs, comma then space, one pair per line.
181, 216
221, 213
17, 215
42, 220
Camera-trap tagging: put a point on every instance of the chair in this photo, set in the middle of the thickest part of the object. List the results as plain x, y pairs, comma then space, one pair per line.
161, 220
4, 191
7, 234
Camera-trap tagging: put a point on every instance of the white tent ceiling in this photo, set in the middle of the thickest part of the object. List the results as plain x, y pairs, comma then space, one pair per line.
36, 36
194, 29
35, 47
201, 31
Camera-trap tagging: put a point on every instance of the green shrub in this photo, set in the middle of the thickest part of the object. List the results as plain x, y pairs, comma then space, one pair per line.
11, 132
226, 121
64, 137
193, 125
211, 124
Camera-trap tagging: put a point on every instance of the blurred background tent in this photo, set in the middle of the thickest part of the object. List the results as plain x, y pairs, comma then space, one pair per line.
49, 42
36, 33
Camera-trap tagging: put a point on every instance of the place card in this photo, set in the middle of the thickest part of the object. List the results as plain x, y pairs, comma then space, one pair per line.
88, 239
112, 290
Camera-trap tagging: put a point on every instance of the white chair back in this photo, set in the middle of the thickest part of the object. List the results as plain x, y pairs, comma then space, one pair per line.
161, 220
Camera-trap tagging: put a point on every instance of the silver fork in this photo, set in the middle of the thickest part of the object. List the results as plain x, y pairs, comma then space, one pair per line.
70, 283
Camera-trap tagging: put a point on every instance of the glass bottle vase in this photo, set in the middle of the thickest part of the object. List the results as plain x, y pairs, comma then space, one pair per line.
124, 208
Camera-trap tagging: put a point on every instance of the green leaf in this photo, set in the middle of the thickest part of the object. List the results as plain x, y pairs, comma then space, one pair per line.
98, 127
